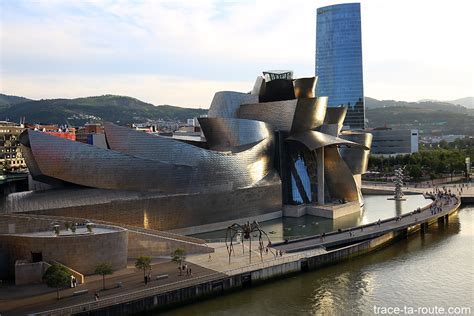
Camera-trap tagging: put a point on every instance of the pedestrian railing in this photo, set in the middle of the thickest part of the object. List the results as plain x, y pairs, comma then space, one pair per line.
109, 301
140, 294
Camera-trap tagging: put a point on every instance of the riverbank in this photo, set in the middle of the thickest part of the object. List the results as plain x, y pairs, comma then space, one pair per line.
269, 269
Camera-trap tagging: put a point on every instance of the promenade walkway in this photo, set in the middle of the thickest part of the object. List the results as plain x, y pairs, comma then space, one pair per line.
131, 282
216, 266
445, 203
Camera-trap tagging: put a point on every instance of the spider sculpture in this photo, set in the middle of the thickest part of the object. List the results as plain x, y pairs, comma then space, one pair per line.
245, 233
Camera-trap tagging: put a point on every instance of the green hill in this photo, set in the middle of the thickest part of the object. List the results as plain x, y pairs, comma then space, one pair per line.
430, 117
427, 120
6, 100
111, 108
371, 103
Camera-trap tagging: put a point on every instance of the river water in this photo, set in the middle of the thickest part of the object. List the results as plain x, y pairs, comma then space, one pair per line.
423, 271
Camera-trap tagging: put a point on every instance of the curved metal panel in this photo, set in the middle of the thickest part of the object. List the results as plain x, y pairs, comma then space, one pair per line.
333, 121
297, 115
309, 114
314, 140
209, 168
233, 134
91, 166
304, 87
259, 86
226, 103
335, 115
33, 167
278, 114
340, 182
357, 159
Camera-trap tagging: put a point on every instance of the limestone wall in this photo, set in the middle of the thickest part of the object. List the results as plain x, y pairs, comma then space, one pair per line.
79, 252
29, 272
143, 244
11, 224
154, 211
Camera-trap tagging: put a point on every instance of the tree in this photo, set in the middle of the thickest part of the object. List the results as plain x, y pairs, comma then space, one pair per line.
415, 172
57, 276
143, 263
178, 256
104, 268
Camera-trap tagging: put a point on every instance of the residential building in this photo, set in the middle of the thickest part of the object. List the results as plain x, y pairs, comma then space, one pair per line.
11, 158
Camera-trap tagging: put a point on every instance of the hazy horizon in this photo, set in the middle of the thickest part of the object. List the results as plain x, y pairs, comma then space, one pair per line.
181, 52
206, 107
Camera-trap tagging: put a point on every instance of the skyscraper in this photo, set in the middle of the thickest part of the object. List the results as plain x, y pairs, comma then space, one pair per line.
339, 60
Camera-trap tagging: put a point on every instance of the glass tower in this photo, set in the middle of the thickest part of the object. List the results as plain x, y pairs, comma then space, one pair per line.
339, 60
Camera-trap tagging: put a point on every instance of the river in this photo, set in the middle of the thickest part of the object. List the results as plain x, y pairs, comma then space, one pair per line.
423, 271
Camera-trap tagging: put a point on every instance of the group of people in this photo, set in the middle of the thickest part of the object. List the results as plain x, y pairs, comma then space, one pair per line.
189, 271
442, 197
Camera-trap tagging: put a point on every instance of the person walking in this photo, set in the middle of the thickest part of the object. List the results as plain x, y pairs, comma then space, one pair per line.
96, 296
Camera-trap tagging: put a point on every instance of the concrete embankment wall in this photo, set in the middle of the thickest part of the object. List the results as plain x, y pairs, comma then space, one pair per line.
467, 199
220, 285
385, 191
239, 281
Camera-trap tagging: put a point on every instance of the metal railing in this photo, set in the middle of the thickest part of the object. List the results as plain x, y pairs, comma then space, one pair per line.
140, 294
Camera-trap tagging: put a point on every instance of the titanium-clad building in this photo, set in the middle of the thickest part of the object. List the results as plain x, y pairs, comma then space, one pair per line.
339, 60
279, 144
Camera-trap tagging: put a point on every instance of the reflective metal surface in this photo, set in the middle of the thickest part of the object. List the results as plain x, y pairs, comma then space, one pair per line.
309, 114
340, 182
233, 134
259, 86
143, 162
357, 159
333, 121
314, 140
292, 115
304, 87
225, 103
87, 165
278, 114
236, 163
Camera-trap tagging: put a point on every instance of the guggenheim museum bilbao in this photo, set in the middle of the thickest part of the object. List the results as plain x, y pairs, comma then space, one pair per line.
275, 146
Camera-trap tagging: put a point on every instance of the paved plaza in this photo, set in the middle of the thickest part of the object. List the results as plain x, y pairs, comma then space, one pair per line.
204, 267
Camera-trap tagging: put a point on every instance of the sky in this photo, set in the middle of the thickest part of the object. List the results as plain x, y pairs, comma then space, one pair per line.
181, 52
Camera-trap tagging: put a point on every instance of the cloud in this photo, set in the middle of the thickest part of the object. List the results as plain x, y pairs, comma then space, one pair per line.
409, 46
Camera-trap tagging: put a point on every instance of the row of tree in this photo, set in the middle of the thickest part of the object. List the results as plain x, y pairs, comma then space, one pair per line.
58, 276
426, 163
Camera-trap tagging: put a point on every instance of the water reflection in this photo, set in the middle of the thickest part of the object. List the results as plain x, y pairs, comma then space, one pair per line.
423, 270
398, 207
376, 207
